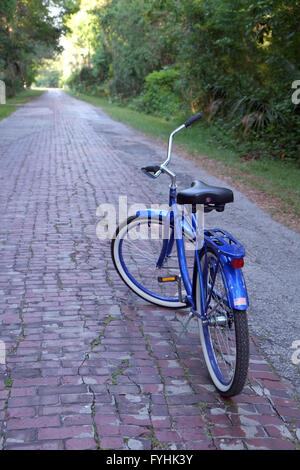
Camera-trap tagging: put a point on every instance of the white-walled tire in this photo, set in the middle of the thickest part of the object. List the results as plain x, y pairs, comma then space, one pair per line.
225, 341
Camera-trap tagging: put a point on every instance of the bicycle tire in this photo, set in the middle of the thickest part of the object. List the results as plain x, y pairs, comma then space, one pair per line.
137, 275
228, 369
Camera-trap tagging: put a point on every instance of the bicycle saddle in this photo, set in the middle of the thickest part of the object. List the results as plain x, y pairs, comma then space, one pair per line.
214, 197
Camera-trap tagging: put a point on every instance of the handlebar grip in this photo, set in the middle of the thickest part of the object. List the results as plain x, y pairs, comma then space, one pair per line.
151, 169
193, 119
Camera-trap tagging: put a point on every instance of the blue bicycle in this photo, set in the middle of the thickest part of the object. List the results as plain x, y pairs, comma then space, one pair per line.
168, 258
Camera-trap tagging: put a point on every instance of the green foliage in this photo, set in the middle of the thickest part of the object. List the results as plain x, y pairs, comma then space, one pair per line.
160, 95
139, 41
5, 111
47, 78
235, 60
29, 30
85, 81
164, 79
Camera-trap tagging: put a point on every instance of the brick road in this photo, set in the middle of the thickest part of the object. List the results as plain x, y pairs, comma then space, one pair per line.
89, 365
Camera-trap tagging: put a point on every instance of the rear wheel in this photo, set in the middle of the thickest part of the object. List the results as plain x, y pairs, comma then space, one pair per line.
224, 338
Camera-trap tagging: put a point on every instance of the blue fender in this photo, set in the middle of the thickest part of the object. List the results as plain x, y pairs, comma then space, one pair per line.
237, 291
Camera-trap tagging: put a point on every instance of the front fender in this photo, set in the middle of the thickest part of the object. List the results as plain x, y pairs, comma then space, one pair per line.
237, 291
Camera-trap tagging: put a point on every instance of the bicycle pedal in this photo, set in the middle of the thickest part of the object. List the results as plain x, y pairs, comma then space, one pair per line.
174, 278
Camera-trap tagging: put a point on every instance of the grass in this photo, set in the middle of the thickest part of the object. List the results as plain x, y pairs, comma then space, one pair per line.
8, 383
18, 100
278, 180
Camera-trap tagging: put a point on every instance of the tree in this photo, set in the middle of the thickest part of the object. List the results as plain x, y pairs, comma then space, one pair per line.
29, 31
235, 59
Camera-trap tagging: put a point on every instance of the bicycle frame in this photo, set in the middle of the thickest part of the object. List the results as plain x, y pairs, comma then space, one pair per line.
221, 242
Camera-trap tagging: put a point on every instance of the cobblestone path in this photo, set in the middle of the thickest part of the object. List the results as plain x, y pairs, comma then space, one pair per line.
89, 365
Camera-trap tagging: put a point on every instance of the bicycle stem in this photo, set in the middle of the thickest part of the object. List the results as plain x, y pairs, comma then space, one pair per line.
172, 175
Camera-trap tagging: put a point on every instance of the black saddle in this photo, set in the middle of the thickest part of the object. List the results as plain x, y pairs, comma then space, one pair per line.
213, 197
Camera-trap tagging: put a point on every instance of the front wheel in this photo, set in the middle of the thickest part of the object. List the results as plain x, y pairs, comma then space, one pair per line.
224, 337
135, 250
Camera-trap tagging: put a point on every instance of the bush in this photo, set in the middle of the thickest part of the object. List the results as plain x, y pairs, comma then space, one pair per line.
160, 95
86, 81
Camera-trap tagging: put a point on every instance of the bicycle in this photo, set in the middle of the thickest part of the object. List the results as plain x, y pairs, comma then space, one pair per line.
213, 287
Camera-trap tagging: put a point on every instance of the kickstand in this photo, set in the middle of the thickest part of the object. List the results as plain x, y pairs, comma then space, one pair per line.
186, 324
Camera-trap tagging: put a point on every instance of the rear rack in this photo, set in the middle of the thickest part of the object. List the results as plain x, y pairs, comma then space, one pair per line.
224, 243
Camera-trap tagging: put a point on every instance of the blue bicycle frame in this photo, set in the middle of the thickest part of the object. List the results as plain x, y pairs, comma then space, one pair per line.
225, 247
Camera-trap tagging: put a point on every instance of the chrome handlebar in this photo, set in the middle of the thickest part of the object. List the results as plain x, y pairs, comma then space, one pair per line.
156, 170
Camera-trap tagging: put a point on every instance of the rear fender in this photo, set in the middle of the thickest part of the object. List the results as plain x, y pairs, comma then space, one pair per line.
237, 291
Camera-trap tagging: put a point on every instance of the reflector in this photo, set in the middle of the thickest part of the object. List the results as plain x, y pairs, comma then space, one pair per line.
237, 263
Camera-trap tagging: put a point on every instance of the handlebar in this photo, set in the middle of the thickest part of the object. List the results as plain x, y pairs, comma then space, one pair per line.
154, 171
193, 119
148, 170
